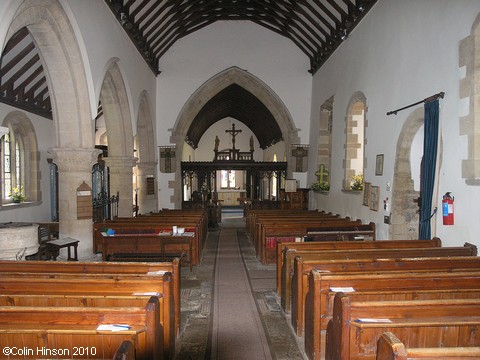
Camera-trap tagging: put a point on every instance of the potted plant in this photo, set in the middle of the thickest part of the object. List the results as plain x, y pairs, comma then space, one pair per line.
18, 195
320, 186
356, 182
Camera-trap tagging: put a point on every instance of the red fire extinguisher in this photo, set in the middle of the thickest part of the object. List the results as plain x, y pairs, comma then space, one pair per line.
447, 209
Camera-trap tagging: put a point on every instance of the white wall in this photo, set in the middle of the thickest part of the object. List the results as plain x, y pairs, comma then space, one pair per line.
198, 57
402, 52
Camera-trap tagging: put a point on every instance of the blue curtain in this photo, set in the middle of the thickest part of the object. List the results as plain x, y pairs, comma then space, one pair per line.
430, 145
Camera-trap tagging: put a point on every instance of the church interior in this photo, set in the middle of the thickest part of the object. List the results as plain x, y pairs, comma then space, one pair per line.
239, 179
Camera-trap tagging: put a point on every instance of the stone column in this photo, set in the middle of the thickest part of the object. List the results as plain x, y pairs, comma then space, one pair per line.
146, 203
74, 168
121, 181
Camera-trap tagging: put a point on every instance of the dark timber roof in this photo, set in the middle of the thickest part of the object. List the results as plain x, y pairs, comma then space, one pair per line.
317, 27
236, 102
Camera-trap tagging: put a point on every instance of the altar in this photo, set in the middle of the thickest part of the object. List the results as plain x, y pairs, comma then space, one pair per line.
231, 197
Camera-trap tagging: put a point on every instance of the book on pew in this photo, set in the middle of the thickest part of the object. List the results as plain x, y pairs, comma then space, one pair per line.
113, 327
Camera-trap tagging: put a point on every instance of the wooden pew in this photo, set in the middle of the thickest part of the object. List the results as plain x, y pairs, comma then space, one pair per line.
102, 285
356, 327
271, 232
112, 268
146, 228
287, 272
366, 286
54, 301
389, 347
332, 245
302, 270
69, 329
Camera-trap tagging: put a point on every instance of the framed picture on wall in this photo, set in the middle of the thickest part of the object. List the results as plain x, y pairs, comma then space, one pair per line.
366, 194
379, 165
374, 196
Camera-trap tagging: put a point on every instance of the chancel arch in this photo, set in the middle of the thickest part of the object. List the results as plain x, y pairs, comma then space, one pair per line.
227, 80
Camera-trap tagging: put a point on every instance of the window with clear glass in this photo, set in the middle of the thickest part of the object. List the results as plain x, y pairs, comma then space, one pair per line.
227, 179
12, 165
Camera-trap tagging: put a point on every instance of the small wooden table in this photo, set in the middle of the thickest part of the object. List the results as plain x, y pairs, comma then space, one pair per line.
54, 246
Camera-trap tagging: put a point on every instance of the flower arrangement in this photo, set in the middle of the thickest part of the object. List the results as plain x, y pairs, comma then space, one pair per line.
356, 182
320, 186
18, 194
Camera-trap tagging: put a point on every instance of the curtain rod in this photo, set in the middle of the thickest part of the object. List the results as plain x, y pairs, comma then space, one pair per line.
428, 99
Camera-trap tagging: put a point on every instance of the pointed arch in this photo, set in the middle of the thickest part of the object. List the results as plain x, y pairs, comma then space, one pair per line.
213, 86
62, 58
145, 131
116, 110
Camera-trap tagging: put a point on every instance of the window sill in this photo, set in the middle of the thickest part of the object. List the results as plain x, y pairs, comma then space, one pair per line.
350, 191
16, 206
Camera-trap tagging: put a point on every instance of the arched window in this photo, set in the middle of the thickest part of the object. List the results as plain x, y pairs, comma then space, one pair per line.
324, 147
355, 143
19, 159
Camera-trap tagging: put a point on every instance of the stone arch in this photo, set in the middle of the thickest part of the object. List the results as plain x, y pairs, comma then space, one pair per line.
404, 218
63, 58
146, 166
254, 85
118, 123
23, 126
116, 110
352, 142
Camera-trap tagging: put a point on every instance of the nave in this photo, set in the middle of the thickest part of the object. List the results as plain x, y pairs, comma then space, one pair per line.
229, 307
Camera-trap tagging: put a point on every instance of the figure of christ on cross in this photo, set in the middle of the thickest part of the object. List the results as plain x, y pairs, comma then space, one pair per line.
234, 133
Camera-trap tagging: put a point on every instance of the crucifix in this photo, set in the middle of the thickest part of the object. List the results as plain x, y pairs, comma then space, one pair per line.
322, 174
234, 133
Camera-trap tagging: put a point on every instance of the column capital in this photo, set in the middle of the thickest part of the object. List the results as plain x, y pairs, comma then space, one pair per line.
74, 159
120, 162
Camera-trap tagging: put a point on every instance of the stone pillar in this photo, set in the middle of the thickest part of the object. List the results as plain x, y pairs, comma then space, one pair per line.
146, 203
74, 168
121, 181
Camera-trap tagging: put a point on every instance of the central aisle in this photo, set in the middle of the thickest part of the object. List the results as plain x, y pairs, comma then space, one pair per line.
237, 327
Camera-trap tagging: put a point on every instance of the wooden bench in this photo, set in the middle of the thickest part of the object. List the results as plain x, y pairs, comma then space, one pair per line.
69, 329
356, 327
302, 269
138, 247
111, 268
287, 272
99, 284
271, 233
332, 245
322, 286
146, 228
389, 347
123, 301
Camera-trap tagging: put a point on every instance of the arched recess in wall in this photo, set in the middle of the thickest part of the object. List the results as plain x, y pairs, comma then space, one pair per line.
57, 44
213, 86
118, 124
404, 218
22, 128
469, 58
145, 179
355, 140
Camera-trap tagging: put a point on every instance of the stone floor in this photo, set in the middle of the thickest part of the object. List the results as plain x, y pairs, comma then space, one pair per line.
197, 301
